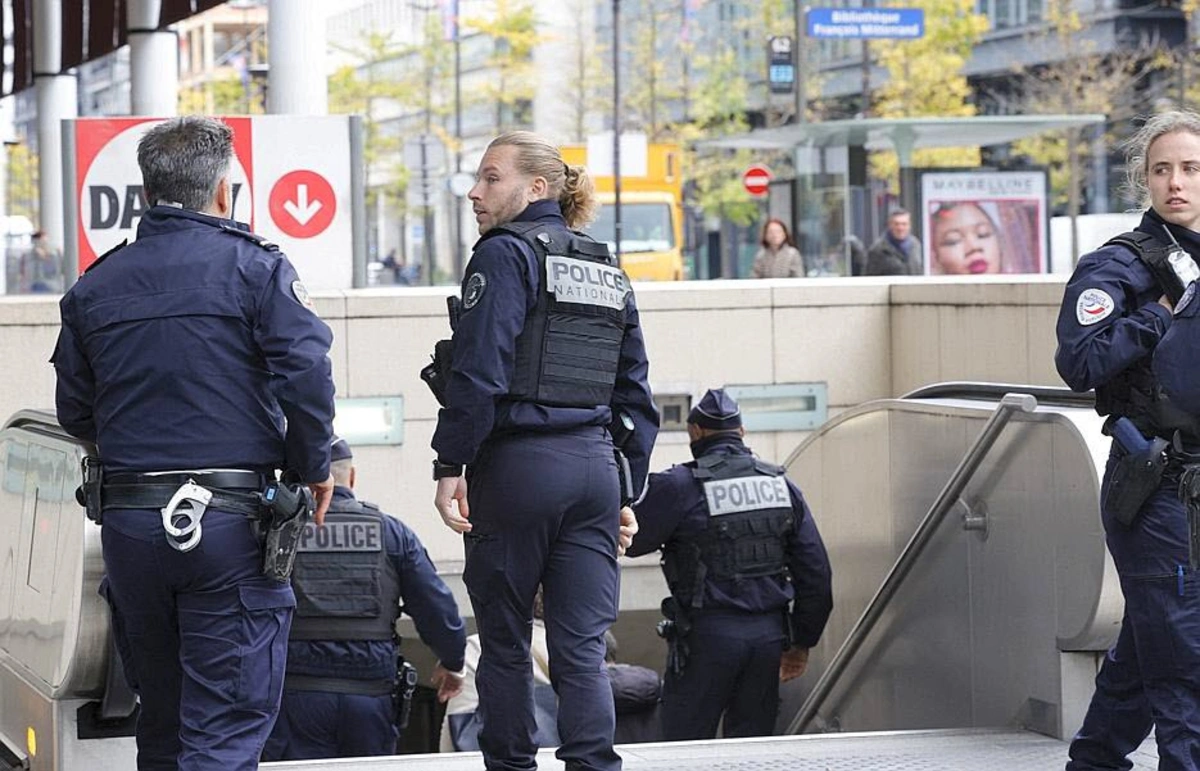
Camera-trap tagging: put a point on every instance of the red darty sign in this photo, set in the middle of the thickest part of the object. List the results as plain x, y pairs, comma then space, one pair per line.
291, 184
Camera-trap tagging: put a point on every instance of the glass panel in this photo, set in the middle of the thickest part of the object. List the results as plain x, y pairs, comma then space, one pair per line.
645, 227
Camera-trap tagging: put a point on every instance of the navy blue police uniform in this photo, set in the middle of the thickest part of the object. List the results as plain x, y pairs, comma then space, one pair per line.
352, 578
1110, 330
195, 348
740, 548
546, 348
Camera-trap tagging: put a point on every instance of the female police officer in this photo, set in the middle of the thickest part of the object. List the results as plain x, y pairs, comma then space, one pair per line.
1111, 329
546, 350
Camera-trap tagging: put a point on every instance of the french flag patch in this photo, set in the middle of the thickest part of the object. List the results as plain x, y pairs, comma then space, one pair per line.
1093, 306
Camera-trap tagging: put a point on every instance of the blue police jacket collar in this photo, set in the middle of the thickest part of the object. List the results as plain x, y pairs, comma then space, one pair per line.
541, 210
1153, 224
157, 219
343, 494
724, 443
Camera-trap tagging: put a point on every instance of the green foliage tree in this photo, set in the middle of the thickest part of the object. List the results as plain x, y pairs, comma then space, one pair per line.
223, 96
925, 78
719, 110
513, 30
588, 83
655, 82
22, 190
1084, 83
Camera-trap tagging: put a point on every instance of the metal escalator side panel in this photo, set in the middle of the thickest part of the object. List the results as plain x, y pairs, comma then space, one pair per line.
949, 653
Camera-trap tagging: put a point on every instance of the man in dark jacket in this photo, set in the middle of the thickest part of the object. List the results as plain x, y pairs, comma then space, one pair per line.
739, 547
897, 252
193, 359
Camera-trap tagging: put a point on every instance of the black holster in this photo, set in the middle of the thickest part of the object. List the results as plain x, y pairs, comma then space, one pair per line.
436, 374
674, 628
88, 494
1189, 494
286, 509
406, 685
1138, 472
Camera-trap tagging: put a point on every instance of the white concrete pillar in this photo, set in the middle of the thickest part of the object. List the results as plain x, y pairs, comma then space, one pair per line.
296, 82
56, 101
153, 61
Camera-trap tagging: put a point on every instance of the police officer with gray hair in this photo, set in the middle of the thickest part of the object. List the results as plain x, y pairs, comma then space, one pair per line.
346, 694
193, 359
739, 547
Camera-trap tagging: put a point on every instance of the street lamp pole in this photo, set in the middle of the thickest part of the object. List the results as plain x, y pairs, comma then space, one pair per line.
458, 199
616, 14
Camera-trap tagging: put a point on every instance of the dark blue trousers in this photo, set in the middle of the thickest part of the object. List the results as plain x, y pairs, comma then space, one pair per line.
203, 637
545, 510
732, 669
314, 724
1158, 647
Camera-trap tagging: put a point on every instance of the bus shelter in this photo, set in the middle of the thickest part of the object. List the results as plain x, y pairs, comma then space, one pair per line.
830, 195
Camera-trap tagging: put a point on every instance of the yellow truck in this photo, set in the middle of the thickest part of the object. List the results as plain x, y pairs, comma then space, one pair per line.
651, 210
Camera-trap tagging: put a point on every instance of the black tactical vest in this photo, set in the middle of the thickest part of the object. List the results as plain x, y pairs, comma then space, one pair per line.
346, 586
749, 516
568, 352
1135, 393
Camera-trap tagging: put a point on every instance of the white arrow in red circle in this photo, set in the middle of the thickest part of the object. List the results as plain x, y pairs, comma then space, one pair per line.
302, 203
302, 209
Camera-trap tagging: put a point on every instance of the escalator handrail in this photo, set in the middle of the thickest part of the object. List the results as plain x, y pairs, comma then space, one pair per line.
966, 389
1009, 404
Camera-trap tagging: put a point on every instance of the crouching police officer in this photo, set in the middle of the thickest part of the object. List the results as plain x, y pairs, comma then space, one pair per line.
192, 358
344, 695
739, 545
546, 350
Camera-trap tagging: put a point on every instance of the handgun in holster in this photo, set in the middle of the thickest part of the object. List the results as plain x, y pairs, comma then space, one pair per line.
621, 429
1138, 471
286, 509
406, 686
436, 374
674, 628
88, 494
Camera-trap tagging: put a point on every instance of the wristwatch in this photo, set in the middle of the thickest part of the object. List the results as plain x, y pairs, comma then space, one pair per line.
442, 469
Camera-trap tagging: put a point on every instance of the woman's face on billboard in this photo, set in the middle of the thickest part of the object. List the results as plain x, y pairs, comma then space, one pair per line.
964, 240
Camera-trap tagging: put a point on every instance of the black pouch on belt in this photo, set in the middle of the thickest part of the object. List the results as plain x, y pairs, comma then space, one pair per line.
88, 494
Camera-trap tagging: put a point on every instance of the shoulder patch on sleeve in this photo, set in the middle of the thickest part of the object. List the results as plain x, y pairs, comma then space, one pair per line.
301, 293
474, 289
1093, 306
1188, 294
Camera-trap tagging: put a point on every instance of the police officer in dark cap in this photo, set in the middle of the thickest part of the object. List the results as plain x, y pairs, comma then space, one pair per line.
748, 574
193, 360
546, 352
344, 693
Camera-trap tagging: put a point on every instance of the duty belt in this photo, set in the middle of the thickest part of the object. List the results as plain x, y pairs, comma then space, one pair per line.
182, 500
229, 479
156, 496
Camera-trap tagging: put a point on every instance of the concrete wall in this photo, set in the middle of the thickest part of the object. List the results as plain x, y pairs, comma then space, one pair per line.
866, 338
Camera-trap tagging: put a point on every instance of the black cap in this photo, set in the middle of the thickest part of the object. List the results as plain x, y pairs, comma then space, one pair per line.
339, 449
717, 411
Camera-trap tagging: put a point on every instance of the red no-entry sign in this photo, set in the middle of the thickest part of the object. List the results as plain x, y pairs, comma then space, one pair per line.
756, 179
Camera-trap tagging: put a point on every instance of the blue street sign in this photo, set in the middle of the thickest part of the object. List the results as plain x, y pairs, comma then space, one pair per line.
860, 23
